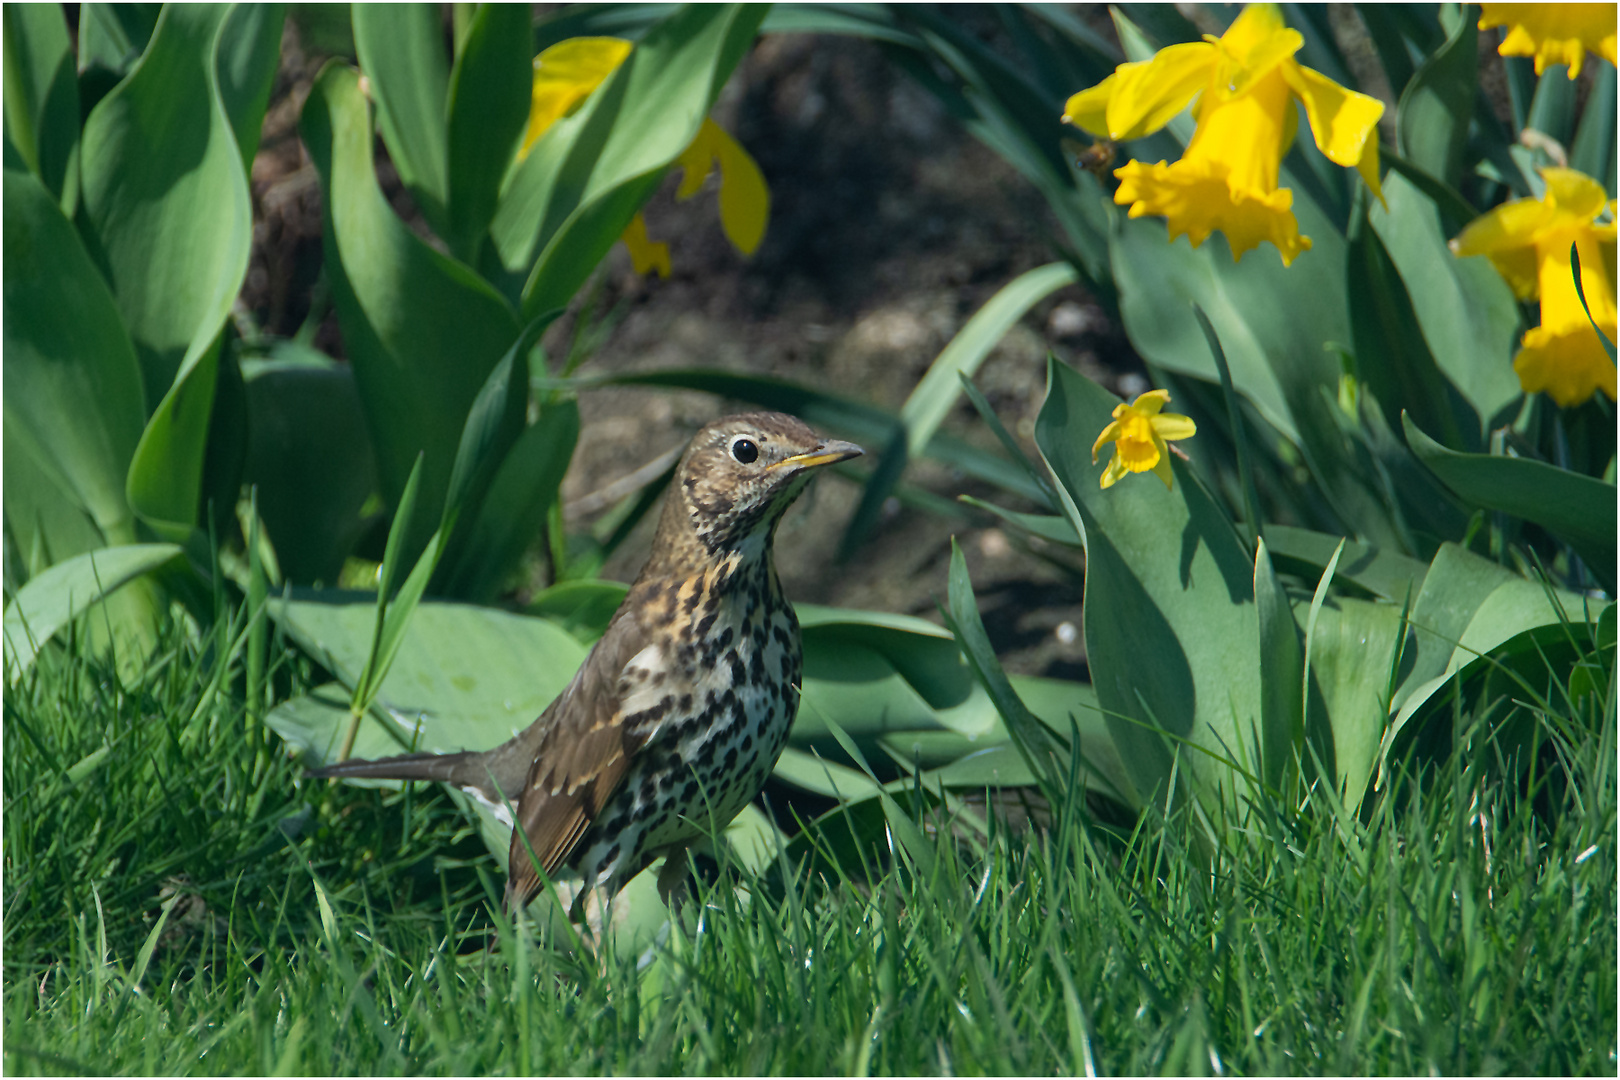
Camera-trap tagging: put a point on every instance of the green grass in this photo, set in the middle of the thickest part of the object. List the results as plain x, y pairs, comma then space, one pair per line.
1466, 925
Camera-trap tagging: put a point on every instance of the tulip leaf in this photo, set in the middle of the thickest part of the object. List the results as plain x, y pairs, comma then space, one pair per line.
1437, 106
1384, 573
311, 460
1593, 151
113, 36
64, 592
165, 201
1170, 626
42, 93
488, 108
248, 53
423, 332
583, 608
1465, 310
1352, 651
401, 49
74, 402
1577, 509
1282, 672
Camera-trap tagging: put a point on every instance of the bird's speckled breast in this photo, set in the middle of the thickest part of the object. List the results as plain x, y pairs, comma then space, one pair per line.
714, 695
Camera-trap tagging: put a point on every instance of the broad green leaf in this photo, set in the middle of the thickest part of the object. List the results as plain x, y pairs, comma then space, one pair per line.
1042, 753
311, 459
249, 53
583, 608
166, 474
1465, 309
1352, 652
423, 332
1387, 574
1170, 625
401, 51
68, 589
1593, 152
1457, 582
1282, 672
508, 519
464, 677
165, 207
41, 94
73, 397
113, 36
1392, 357
1577, 509
1437, 106
590, 173
488, 108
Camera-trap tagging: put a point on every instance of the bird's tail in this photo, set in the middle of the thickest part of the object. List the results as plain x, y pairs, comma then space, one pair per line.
450, 768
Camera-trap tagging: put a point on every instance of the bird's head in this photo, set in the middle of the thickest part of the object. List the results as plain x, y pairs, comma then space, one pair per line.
737, 479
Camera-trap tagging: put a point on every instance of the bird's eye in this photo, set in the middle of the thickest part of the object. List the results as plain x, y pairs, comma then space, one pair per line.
745, 451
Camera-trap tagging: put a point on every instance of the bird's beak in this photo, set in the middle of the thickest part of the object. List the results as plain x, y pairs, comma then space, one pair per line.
829, 452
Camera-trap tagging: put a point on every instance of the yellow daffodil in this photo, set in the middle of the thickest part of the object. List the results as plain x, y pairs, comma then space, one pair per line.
1553, 33
1139, 433
565, 75
745, 201
1245, 82
1528, 241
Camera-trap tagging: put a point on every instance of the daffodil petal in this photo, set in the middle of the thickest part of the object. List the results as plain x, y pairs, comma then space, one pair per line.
1568, 367
1111, 474
1574, 194
1088, 110
1253, 26
1109, 434
1149, 403
1342, 120
1148, 96
1163, 472
646, 254
565, 75
697, 160
745, 200
1196, 199
1173, 426
1554, 33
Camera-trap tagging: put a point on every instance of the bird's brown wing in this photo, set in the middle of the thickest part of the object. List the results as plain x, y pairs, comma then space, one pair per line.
579, 763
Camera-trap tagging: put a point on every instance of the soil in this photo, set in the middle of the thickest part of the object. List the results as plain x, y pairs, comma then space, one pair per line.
889, 228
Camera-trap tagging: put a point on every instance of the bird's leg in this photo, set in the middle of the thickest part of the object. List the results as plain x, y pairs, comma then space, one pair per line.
672, 877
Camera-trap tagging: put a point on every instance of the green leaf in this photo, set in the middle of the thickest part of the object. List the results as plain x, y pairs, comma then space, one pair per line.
488, 110
583, 608
73, 397
1435, 110
249, 53
68, 589
1170, 626
589, 174
311, 459
423, 332
1041, 752
1577, 509
510, 516
113, 36
1465, 310
1387, 574
166, 474
1593, 152
401, 50
42, 94
1282, 671
165, 206
464, 677
936, 392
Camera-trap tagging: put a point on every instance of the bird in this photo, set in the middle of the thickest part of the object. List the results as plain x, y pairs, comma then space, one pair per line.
680, 711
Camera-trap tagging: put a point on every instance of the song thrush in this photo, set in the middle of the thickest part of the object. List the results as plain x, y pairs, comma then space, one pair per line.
682, 708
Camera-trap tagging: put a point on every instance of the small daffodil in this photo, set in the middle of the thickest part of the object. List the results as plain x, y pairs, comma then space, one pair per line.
1245, 84
1139, 433
1528, 241
1554, 33
566, 74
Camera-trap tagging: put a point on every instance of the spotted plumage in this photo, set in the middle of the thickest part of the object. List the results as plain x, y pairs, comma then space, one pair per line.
680, 711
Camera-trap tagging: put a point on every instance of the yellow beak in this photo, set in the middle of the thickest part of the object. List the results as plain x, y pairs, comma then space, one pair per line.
829, 452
